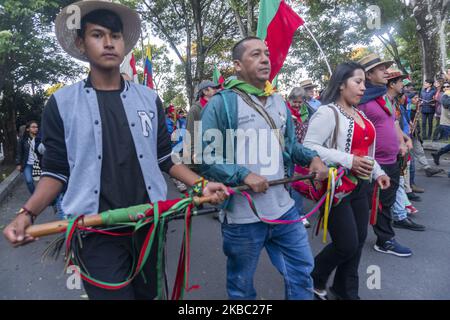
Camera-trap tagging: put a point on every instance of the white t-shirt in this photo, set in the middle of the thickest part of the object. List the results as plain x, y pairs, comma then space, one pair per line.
31, 154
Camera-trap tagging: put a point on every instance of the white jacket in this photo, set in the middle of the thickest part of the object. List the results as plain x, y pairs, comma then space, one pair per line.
319, 137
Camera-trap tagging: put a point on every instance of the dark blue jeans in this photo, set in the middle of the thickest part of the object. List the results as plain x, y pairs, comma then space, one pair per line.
427, 118
28, 174
445, 149
288, 249
412, 172
298, 198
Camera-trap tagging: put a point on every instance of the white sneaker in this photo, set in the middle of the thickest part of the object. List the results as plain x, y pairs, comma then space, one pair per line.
320, 294
306, 223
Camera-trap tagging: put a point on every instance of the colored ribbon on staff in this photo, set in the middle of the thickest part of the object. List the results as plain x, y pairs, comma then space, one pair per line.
333, 178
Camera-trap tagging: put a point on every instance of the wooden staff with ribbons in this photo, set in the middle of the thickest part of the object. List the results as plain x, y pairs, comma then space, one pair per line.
135, 213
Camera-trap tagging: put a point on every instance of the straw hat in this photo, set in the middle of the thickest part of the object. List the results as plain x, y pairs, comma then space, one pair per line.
373, 60
66, 33
306, 84
395, 73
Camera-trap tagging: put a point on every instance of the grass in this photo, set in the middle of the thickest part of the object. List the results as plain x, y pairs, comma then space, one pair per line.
446, 141
5, 171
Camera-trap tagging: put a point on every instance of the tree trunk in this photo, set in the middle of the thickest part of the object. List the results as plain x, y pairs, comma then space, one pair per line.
8, 124
188, 64
2, 75
200, 65
250, 16
10, 140
442, 25
426, 12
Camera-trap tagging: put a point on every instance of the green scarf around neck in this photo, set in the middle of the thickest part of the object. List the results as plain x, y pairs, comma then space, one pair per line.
248, 88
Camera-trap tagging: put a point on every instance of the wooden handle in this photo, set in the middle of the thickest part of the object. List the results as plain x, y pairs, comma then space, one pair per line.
46, 229
198, 201
281, 181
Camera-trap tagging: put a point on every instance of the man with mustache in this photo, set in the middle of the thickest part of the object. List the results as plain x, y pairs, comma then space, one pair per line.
248, 104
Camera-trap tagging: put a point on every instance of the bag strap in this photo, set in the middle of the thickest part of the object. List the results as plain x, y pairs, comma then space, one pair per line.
32, 149
336, 128
249, 101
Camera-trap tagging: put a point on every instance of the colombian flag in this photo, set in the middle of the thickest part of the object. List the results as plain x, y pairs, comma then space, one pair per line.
148, 69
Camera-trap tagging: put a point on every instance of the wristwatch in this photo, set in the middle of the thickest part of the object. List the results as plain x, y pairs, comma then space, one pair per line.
28, 213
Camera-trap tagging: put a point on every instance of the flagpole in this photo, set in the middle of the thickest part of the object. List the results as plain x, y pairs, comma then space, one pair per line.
143, 49
320, 48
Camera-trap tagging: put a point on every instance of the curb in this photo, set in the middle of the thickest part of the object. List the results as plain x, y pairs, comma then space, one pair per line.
8, 184
433, 146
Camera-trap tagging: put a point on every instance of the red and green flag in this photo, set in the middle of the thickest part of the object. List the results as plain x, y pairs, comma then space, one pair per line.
217, 76
275, 83
277, 24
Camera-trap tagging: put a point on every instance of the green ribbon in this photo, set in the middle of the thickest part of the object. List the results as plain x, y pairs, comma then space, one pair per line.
304, 113
245, 87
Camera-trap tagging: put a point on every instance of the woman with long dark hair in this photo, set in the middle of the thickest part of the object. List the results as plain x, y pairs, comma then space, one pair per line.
27, 152
353, 148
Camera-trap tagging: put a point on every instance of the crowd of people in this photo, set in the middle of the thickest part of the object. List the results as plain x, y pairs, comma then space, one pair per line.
107, 142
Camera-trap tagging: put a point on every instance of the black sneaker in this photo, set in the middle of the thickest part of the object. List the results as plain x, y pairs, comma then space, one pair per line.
334, 295
407, 223
429, 172
435, 158
392, 247
413, 197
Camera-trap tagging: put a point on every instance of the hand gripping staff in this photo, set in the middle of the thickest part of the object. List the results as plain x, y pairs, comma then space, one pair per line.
156, 217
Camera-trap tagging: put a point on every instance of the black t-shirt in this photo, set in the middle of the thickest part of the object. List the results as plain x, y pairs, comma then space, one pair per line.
122, 183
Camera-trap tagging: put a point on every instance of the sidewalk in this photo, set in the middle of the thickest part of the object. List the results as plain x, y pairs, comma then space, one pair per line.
7, 185
433, 146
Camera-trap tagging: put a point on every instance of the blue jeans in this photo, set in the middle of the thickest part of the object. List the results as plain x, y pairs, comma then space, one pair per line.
28, 174
398, 210
412, 172
288, 249
58, 204
298, 199
445, 131
445, 149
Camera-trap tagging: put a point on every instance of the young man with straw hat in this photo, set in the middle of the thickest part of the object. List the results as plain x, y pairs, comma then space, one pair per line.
107, 141
399, 210
390, 143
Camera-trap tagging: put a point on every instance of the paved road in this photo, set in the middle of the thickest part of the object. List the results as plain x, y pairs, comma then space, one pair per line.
425, 275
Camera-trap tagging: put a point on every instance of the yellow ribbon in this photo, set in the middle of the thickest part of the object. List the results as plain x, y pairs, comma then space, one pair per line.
269, 90
332, 173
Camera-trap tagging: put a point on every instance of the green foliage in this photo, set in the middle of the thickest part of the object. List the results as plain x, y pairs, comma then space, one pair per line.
336, 26
34, 57
340, 27
30, 59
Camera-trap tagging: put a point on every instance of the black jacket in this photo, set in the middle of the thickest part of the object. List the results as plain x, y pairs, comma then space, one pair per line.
23, 150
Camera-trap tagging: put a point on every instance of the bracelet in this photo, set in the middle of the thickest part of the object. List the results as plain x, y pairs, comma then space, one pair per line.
199, 185
24, 210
